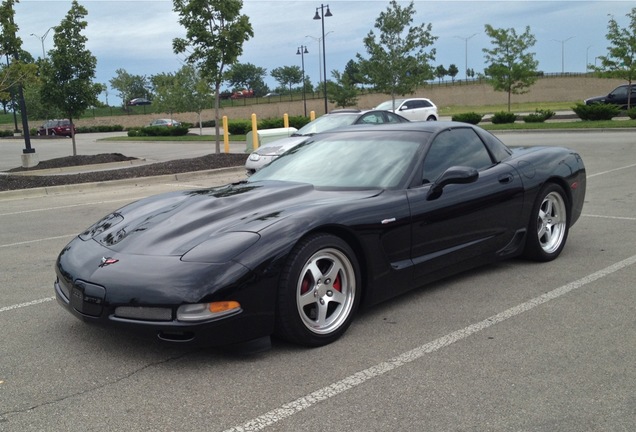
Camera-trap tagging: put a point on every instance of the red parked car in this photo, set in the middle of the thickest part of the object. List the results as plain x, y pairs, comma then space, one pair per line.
57, 127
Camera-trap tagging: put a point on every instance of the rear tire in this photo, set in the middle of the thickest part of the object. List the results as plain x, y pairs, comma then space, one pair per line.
549, 224
319, 291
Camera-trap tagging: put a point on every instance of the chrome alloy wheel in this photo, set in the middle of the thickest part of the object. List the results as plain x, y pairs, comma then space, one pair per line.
552, 222
326, 291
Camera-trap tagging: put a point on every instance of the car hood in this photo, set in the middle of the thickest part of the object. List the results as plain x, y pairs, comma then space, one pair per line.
174, 223
280, 146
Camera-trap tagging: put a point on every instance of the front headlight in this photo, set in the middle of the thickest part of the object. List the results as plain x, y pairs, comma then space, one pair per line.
255, 157
206, 311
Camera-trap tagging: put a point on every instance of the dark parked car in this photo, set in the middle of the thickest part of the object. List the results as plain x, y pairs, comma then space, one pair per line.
349, 217
619, 96
57, 127
139, 101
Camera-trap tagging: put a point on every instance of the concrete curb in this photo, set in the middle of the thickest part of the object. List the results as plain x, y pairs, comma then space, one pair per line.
81, 168
137, 181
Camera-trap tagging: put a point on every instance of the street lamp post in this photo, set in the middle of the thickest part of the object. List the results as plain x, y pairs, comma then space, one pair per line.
319, 40
321, 16
563, 52
587, 54
42, 38
301, 51
466, 39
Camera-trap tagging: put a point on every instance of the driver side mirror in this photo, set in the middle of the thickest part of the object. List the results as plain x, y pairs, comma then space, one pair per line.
453, 175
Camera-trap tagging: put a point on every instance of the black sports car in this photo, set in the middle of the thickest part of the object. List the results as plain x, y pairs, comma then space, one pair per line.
349, 217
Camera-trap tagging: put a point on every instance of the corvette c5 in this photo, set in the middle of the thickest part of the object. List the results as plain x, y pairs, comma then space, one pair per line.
348, 218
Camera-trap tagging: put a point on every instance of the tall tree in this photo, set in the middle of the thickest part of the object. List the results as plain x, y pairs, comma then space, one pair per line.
130, 86
511, 68
453, 70
288, 76
620, 60
183, 91
343, 92
17, 72
68, 75
398, 61
247, 76
215, 33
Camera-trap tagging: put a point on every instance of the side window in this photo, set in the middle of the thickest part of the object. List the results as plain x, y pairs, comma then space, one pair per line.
620, 91
391, 118
454, 147
373, 118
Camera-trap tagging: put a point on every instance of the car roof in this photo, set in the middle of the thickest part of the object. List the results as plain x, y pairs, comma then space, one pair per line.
423, 126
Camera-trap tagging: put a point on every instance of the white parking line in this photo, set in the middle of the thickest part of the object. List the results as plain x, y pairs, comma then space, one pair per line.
31, 303
291, 408
68, 236
69, 206
611, 171
610, 217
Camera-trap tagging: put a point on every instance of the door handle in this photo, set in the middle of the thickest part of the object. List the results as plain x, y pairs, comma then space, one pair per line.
506, 178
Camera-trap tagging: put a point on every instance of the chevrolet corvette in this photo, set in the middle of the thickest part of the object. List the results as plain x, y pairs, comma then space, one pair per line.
347, 219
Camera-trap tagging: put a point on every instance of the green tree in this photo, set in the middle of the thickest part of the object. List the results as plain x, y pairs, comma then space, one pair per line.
17, 73
183, 91
620, 60
342, 92
453, 70
247, 76
288, 76
398, 61
440, 72
511, 68
215, 33
130, 86
68, 75
353, 74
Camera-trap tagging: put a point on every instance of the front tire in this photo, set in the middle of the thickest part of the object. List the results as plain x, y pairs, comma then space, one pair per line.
319, 291
549, 224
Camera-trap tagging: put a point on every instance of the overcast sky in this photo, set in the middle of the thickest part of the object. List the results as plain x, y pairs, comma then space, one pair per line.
137, 35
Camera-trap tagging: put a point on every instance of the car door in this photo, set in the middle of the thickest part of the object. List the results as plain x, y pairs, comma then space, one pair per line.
466, 220
415, 109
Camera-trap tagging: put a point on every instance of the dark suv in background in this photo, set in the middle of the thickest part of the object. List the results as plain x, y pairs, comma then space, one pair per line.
57, 127
618, 96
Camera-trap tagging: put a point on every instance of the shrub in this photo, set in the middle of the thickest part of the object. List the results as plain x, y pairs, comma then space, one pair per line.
9, 133
538, 116
503, 117
470, 117
596, 111
100, 128
158, 131
239, 127
631, 113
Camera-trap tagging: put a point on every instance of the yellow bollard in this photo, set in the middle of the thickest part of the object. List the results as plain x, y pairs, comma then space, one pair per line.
312, 115
226, 136
254, 133
286, 120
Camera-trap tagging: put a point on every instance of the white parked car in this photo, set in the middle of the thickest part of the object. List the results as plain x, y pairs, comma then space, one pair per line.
414, 109
335, 119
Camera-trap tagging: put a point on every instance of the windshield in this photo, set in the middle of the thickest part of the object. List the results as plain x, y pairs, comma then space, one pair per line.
327, 122
347, 160
388, 105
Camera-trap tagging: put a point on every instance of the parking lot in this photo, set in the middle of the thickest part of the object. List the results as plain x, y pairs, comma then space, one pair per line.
517, 346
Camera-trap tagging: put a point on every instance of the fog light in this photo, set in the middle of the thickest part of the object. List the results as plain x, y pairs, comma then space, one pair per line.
205, 311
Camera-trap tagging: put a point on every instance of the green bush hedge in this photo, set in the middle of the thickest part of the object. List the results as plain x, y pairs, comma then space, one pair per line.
9, 133
470, 117
503, 117
101, 128
631, 113
596, 111
158, 131
539, 116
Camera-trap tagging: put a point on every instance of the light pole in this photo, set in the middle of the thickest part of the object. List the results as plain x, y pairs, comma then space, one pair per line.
301, 51
563, 52
321, 16
587, 54
466, 39
42, 38
319, 40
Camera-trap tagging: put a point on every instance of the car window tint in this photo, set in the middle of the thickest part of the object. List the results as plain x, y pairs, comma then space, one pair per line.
371, 118
455, 147
392, 118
